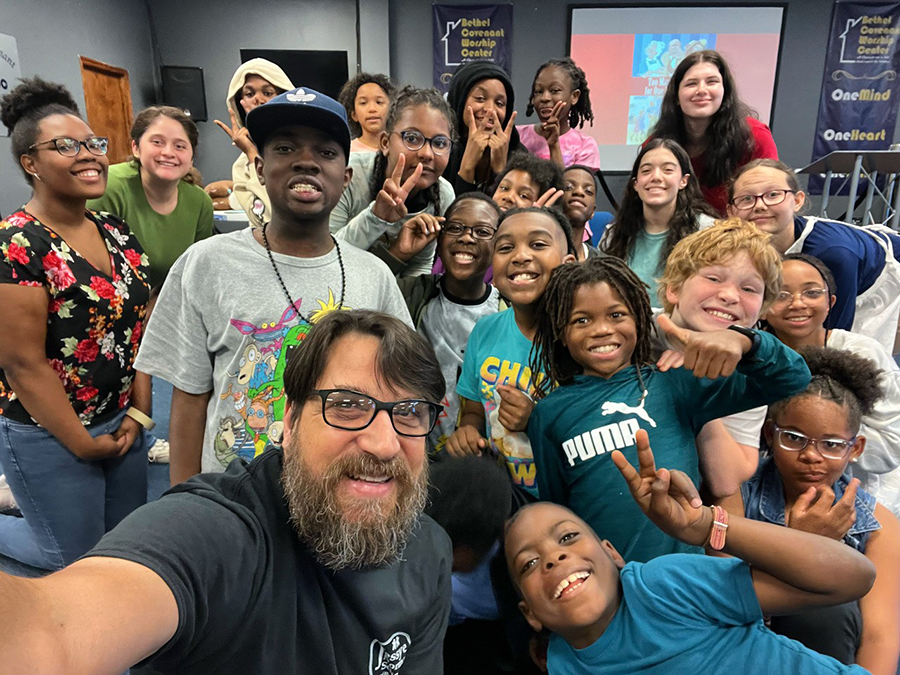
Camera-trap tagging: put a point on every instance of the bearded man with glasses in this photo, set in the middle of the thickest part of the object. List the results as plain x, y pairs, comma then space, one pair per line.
328, 565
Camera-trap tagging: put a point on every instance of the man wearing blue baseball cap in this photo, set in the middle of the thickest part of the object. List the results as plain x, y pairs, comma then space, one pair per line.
234, 307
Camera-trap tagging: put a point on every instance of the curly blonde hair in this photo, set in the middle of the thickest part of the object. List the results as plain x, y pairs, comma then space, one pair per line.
717, 245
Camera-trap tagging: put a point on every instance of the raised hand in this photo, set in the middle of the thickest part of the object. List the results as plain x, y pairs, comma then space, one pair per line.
550, 129
415, 235
239, 135
390, 203
714, 354
550, 197
668, 498
815, 511
499, 142
515, 408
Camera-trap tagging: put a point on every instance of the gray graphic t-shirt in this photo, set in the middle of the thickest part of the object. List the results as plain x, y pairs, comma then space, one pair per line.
222, 323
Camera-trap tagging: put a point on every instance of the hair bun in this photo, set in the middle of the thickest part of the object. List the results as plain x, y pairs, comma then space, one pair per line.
32, 95
857, 374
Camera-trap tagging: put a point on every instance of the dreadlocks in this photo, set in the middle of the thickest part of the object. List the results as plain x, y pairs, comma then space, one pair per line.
548, 353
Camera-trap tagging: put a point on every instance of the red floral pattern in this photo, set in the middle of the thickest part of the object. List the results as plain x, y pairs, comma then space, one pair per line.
95, 321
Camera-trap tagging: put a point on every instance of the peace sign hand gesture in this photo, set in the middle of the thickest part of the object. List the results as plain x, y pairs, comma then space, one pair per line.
390, 203
712, 355
550, 129
499, 142
239, 135
668, 498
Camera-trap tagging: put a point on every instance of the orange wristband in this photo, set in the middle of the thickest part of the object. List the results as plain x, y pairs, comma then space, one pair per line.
719, 528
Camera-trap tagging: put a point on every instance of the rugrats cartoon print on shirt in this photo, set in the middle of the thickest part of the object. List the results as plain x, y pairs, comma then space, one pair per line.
256, 385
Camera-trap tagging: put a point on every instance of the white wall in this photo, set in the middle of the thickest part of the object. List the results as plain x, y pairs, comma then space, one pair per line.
51, 35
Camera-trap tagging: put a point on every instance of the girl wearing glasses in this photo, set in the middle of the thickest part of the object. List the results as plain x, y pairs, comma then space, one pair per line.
166, 213
74, 294
702, 111
797, 318
813, 437
863, 260
402, 181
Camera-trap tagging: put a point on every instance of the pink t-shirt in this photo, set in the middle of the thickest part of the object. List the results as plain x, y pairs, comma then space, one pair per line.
577, 147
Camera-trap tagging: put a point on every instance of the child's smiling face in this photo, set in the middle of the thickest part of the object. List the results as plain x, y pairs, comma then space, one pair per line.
601, 334
466, 255
527, 248
517, 190
718, 296
568, 578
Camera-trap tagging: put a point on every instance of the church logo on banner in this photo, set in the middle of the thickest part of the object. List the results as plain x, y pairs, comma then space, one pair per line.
464, 33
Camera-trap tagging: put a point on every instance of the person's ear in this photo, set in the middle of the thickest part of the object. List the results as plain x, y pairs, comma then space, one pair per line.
858, 448
259, 163
134, 149
383, 141
831, 304
568, 257
288, 421
27, 162
684, 181
672, 295
799, 200
730, 210
576, 95
532, 620
613, 553
348, 174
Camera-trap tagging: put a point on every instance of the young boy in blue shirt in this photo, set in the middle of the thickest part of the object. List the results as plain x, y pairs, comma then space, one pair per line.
678, 613
496, 383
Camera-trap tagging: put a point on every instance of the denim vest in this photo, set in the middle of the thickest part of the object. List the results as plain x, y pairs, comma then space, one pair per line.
764, 501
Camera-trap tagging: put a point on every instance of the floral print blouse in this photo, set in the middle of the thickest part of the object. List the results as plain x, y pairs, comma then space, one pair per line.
94, 321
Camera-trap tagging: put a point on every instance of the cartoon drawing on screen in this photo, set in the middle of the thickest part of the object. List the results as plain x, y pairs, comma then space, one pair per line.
656, 55
643, 111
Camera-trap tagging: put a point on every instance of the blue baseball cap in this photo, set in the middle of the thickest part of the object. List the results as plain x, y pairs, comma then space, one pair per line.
304, 107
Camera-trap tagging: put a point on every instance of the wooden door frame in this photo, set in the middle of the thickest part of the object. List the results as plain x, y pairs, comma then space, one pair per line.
88, 63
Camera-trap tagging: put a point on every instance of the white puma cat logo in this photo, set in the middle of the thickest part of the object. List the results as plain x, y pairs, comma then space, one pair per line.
611, 407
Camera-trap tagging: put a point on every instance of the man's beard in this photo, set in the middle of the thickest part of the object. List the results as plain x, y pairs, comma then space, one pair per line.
365, 533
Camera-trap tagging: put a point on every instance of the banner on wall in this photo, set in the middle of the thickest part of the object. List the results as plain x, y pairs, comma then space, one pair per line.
858, 106
9, 68
464, 33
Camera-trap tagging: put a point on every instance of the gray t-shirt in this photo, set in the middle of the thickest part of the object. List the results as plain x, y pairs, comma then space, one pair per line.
223, 323
446, 325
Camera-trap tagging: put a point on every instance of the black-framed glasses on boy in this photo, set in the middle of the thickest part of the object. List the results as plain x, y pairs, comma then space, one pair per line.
828, 448
770, 198
413, 140
808, 295
352, 411
70, 147
485, 232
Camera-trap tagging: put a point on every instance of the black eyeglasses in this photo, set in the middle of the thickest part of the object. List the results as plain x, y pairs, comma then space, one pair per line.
70, 147
352, 411
770, 198
828, 448
485, 232
413, 140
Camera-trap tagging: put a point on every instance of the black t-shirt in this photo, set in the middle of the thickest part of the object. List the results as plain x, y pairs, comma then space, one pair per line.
252, 599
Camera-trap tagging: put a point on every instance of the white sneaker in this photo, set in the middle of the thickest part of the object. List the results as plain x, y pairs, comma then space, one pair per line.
159, 453
7, 501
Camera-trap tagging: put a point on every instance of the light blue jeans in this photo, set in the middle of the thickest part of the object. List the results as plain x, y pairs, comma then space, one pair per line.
67, 503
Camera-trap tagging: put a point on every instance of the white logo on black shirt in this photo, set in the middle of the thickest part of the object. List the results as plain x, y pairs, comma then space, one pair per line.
385, 658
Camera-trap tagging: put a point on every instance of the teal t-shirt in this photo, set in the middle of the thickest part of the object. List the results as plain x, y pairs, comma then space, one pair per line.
576, 427
497, 353
164, 237
689, 614
645, 261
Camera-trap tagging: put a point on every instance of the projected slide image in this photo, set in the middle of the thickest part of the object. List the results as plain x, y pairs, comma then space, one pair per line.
643, 111
658, 55
630, 53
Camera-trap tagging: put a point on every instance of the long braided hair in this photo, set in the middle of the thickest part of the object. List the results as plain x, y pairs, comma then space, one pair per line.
411, 97
579, 113
548, 353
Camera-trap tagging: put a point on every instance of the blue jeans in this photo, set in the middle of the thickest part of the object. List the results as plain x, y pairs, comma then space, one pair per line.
67, 503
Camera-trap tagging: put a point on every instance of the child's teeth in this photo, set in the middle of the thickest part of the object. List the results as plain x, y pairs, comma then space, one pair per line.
568, 581
604, 349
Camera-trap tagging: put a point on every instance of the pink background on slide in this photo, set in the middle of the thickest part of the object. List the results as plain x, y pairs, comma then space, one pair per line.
607, 61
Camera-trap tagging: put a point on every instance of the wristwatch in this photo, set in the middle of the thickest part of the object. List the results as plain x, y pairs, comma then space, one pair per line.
751, 334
